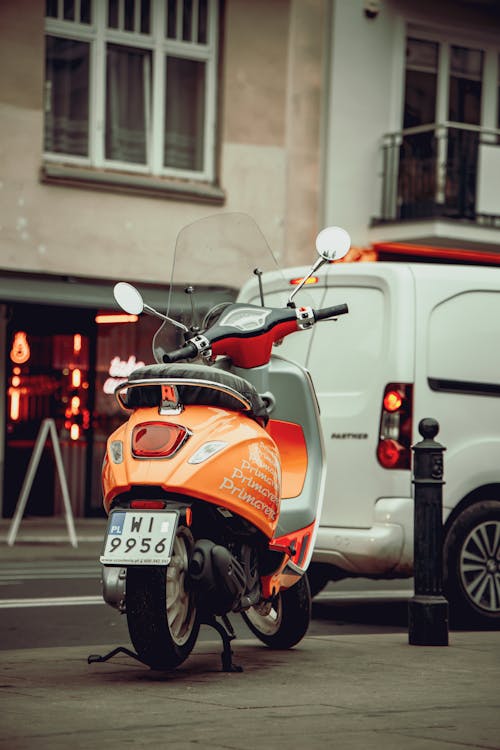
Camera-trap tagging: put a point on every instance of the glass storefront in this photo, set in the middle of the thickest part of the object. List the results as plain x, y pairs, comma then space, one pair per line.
63, 363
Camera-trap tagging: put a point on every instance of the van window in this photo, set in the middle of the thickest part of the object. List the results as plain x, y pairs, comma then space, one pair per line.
464, 338
346, 355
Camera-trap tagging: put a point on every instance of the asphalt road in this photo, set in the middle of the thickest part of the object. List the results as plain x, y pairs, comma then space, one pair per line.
46, 604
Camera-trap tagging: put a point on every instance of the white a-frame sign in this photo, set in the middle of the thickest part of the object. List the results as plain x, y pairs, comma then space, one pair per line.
47, 427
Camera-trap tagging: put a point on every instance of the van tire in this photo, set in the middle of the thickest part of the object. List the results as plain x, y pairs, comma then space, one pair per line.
473, 591
318, 575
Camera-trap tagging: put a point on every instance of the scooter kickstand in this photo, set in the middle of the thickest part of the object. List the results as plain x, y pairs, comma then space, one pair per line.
227, 634
93, 658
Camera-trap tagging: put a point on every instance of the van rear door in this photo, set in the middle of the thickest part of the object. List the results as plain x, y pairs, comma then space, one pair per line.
351, 362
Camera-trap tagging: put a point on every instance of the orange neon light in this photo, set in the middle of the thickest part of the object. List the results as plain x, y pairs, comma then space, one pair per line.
77, 343
75, 405
74, 432
15, 403
20, 352
16, 381
116, 318
76, 378
16, 370
300, 279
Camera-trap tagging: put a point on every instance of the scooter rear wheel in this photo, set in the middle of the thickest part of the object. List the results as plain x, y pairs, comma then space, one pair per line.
161, 613
284, 621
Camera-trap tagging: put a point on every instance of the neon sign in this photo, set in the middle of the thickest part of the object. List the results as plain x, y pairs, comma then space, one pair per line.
119, 370
20, 352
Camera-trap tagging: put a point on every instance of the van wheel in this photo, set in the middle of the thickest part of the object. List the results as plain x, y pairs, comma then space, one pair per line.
318, 575
472, 565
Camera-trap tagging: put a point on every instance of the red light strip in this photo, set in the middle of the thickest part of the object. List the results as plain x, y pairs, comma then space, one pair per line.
116, 318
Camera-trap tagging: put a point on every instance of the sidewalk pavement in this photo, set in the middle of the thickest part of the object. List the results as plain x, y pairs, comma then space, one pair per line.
48, 538
347, 692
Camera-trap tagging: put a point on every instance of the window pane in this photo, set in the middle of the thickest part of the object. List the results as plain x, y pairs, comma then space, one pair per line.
202, 22
186, 20
85, 11
69, 10
184, 114
66, 96
172, 19
466, 62
51, 8
128, 94
129, 15
498, 95
421, 54
465, 85
113, 14
145, 17
420, 98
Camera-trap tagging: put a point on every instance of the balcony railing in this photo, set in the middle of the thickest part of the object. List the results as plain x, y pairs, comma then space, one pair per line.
447, 170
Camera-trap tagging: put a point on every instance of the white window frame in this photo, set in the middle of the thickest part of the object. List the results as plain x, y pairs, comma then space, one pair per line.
98, 35
447, 39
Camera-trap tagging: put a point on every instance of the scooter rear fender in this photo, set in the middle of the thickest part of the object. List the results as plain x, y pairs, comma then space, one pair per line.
244, 476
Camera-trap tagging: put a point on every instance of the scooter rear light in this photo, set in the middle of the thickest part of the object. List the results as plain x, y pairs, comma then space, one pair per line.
148, 504
394, 444
157, 439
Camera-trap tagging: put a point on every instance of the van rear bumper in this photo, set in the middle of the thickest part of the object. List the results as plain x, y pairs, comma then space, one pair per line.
383, 549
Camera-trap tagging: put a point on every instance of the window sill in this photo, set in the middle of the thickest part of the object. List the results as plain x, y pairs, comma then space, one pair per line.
131, 184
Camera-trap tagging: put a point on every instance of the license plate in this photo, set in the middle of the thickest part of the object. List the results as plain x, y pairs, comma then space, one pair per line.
139, 537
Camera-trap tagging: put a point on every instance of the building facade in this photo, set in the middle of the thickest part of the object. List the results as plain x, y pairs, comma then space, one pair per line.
121, 121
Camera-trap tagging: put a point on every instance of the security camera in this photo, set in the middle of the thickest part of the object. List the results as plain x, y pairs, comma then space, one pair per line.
371, 8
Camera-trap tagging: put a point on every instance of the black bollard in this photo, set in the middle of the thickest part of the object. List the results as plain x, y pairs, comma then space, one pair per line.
428, 609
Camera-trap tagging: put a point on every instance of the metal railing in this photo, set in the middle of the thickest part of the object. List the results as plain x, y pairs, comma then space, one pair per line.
432, 170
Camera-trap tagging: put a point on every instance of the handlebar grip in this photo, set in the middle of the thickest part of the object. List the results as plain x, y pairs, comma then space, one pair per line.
330, 312
185, 352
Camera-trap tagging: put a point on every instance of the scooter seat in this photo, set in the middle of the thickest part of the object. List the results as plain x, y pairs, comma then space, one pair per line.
150, 395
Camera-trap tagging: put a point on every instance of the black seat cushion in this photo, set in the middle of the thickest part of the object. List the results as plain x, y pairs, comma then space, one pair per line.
151, 395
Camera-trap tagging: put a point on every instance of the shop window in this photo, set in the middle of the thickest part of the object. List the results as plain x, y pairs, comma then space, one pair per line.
130, 85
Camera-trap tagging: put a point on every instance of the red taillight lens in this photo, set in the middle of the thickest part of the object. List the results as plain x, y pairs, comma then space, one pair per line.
157, 439
148, 504
388, 453
394, 444
393, 400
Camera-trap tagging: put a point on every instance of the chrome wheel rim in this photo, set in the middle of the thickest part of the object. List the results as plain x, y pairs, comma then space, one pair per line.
480, 566
266, 617
181, 612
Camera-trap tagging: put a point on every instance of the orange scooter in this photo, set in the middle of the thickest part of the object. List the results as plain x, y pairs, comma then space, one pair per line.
214, 484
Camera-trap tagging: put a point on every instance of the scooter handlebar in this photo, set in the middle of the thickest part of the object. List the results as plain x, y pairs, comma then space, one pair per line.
189, 351
330, 312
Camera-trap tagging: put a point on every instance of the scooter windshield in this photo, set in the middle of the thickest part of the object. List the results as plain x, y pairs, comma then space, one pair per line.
213, 257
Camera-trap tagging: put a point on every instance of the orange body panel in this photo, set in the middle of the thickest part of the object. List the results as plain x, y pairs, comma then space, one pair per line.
244, 476
289, 437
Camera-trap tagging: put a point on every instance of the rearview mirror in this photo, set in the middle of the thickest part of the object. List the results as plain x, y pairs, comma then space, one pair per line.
333, 243
129, 298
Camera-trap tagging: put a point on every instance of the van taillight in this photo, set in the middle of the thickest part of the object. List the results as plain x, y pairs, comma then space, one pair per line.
394, 443
157, 439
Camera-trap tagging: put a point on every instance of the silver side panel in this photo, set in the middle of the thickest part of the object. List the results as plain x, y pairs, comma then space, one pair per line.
295, 401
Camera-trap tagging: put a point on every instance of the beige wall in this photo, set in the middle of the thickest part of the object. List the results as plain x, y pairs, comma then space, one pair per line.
269, 151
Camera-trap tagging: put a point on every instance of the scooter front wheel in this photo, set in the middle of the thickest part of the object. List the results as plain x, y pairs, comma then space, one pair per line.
282, 622
161, 612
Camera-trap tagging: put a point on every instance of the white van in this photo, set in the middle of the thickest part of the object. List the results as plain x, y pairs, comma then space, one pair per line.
421, 340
